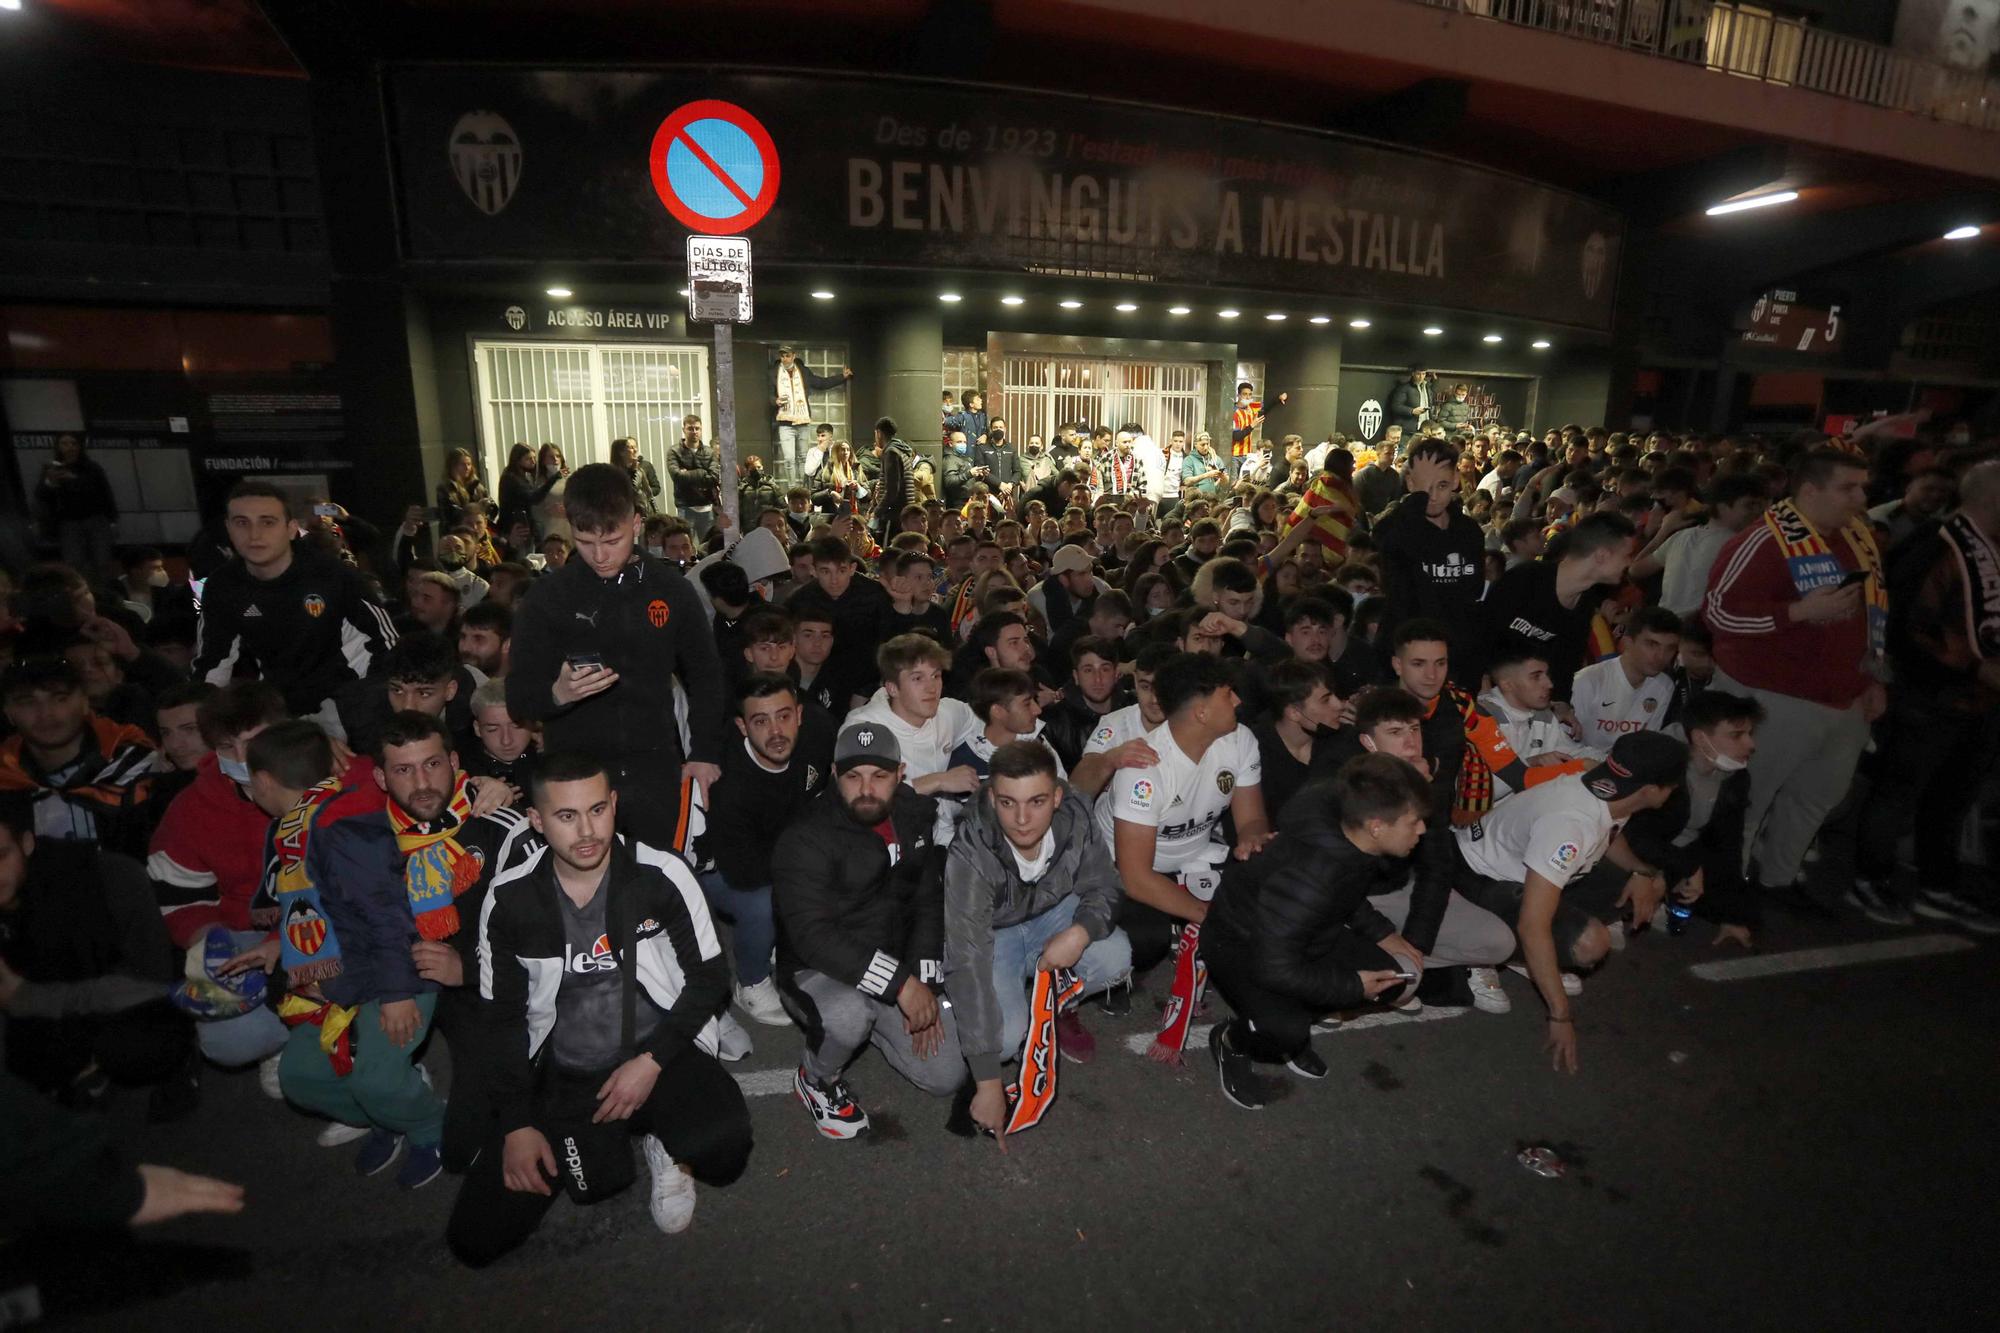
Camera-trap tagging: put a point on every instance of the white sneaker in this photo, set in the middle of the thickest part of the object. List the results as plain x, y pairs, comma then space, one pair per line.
735, 1042
672, 1203
267, 1077
1572, 983
336, 1134
761, 1002
1409, 1004
1487, 997
1617, 932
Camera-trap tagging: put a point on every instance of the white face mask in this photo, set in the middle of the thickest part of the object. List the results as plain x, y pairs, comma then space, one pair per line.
1724, 762
236, 770
157, 579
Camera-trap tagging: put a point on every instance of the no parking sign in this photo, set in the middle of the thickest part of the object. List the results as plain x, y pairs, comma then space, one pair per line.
714, 167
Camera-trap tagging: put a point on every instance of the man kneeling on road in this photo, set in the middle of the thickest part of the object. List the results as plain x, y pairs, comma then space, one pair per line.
1028, 886
1518, 859
855, 882
604, 977
1291, 935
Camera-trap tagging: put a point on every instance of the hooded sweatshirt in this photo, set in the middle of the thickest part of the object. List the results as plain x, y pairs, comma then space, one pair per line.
984, 891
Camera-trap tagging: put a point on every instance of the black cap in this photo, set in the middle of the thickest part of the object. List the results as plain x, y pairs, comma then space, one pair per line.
1640, 759
866, 743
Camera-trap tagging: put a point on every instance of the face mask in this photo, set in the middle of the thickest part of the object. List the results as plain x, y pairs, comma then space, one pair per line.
236, 770
961, 449
157, 579
996, 436
451, 562
657, 552
1723, 761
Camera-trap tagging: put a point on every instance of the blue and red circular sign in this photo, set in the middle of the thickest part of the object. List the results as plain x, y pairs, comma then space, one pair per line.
715, 167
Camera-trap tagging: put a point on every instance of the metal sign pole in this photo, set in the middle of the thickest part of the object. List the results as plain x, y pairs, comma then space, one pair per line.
725, 421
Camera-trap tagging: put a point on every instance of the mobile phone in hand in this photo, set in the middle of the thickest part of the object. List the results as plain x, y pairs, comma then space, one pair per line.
1405, 976
586, 662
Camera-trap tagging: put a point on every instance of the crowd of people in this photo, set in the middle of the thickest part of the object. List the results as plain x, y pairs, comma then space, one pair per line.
963, 748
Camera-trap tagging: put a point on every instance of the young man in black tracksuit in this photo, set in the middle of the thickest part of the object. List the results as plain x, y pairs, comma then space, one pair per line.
1431, 555
1291, 935
302, 619
604, 977
857, 883
597, 647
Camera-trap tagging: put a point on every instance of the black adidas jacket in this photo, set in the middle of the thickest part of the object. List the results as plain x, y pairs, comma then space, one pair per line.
848, 910
309, 631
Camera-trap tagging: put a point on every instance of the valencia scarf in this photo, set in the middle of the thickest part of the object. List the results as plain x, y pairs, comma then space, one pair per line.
1190, 980
1813, 565
1036, 1092
436, 868
1979, 575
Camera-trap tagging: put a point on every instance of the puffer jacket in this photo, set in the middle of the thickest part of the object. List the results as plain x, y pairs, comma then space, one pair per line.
984, 892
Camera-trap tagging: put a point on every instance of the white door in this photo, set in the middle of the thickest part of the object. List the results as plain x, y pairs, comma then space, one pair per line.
582, 396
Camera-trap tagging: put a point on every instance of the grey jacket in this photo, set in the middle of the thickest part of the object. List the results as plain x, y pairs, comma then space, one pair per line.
984, 892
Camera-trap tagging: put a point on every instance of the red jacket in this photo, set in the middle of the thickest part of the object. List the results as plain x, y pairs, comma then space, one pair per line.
1758, 644
208, 855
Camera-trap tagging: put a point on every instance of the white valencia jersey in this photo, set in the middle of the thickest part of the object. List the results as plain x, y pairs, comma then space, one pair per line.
1608, 705
1182, 800
1115, 728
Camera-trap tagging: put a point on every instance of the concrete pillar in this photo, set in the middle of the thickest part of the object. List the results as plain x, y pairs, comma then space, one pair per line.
1308, 368
902, 378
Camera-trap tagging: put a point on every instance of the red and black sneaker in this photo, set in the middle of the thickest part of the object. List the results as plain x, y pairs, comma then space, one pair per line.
835, 1113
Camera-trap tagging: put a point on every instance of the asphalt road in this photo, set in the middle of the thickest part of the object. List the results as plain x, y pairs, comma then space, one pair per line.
1803, 1151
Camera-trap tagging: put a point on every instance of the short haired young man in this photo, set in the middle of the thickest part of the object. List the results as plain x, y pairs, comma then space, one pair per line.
1429, 554
604, 976
176, 722
1291, 935
1517, 860
857, 885
598, 648
858, 605
912, 707
485, 638
1119, 738
501, 747
89, 779
1685, 550
785, 761
301, 618
1295, 741
1632, 691
1028, 886
1162, 818
1519, 706
421, 673
1547, 604
1008, 703
1093, 694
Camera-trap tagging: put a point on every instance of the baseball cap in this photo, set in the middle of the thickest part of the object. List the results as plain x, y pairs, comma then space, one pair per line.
1638, 759
1069, 560
866, 743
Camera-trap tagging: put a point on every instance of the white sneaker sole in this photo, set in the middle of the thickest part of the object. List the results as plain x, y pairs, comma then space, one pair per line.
831, 1129
336, 1135
769, 1017
1978, 925
673, 1198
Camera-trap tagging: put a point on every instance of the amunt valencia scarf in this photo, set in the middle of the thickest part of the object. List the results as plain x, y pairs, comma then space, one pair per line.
1979, 575
1814, 565
436, 868
1055, 990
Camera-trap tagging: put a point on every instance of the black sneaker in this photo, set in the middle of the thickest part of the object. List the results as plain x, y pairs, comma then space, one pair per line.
1307, 1064
1877, 906
1233, 1070
1116, 1002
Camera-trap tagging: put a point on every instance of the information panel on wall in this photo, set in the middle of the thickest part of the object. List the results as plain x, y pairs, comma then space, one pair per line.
556, 164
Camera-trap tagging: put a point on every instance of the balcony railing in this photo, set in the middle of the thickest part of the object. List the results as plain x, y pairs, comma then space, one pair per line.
1749, 42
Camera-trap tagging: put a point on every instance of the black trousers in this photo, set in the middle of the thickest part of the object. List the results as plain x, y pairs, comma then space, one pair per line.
696, 1111
1270, 1025
1503, 899
1929, 770
1151, 931
468, 1113
650, 808
137, 1047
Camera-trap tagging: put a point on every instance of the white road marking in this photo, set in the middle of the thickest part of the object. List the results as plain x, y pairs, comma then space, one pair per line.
1844, 955
765, 1082
1198, 1034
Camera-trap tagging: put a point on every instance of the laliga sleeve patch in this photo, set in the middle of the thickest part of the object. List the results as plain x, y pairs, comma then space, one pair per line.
1142, 794
1565, 855
1103, 736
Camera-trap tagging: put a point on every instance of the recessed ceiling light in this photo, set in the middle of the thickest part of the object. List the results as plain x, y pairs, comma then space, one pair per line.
822, 295
1540, 344
1320, 319
1179, 310
1275, 316
1070, 305
683, 291
1961, 233
1433, 331
558, 292
1229, 314
1754, 201
1010, 300
10, 4
1125, 307
1358, 324
950, 298
1491, 338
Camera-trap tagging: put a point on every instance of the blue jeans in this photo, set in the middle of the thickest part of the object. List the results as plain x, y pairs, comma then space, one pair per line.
756, 933
1015, 949
788, 448
247, 1038
701, 520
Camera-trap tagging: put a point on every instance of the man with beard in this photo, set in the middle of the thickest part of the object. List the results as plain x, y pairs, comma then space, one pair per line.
857, 884
604, 976
1093, 693
785, 760
485, 634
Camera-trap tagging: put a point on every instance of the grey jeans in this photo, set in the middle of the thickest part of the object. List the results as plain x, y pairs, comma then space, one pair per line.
837, 1020
1469, 935
1806, 753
